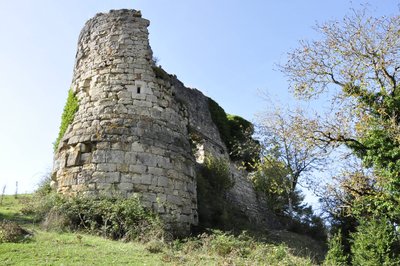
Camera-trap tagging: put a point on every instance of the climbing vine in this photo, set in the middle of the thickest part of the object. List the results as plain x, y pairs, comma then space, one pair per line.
70, 108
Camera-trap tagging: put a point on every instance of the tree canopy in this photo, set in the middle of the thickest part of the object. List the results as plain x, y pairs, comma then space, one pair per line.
355, 64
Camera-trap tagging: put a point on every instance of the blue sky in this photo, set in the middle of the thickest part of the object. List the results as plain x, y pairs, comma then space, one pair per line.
225, 48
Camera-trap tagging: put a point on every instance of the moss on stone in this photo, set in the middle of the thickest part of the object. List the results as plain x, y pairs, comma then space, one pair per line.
70, 108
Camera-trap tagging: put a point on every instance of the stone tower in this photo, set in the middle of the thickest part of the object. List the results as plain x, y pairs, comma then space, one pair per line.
129, 135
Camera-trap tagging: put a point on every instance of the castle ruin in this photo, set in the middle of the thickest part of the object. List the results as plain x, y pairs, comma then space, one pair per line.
131, 132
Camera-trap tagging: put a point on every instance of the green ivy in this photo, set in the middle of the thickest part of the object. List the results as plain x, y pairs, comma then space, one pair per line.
70, 108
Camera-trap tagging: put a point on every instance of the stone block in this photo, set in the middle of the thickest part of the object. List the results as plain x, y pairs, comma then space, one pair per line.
99, 156
113, 177
125, 186
137, 147
146, 179
126, 178
174, 199
162, 181
106, 167
115, 156
73, 158
137, 169
155, 171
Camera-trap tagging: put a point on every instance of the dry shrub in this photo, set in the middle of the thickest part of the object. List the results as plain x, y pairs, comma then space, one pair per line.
11, 232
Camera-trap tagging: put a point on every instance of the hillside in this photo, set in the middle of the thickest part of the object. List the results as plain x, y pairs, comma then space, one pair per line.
74, 248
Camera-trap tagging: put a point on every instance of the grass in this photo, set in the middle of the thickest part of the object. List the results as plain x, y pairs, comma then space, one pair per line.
75, 248
11, 206
51, 248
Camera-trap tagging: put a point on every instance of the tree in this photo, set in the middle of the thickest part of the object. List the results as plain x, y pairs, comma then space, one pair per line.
336, 255
356, 65
285, 145
375, 243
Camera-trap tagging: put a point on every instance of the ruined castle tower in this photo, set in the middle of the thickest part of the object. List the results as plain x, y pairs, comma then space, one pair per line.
133, 130
129, 134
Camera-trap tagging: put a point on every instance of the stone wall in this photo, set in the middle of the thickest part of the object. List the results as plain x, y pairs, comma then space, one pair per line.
129, 135
242, 194
133, 131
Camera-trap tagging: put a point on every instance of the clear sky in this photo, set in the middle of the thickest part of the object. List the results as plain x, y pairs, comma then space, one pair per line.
226, 48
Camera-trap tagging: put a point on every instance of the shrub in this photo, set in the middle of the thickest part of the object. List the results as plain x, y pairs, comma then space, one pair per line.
11, 232
115, 218
221, 248
375, 242
220, 119
70, 108
213, 180
155, 246
336, 255
236, 132
224, 244
242, 145
160, 73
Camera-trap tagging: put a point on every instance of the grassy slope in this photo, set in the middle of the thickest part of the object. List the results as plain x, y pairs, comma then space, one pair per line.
53, 248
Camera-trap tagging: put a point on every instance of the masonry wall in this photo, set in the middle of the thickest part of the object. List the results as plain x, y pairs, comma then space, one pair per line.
129, 135
242, 195
132, 132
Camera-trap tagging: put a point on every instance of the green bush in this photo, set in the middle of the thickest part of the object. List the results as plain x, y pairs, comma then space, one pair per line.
213, 180
70, 108
376, 242
227, 249
236, 132
160, 73
220, 119
111, 217
115, 218
336, 255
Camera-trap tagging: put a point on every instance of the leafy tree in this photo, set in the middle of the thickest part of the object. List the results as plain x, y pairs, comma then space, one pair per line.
375, 243
356, 64
271, 179
286, 143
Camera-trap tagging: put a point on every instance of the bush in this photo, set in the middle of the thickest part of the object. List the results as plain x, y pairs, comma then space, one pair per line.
236, 132
220, 248
115, 218
213, 180
220, 119
160, 73
375, 242
336, 255
242, 146
11, 232
155, 246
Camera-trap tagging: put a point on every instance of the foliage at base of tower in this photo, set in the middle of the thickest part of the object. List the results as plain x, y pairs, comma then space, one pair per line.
336, 256
70, 108
236, 132
213, 181
376, 242
111, 217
